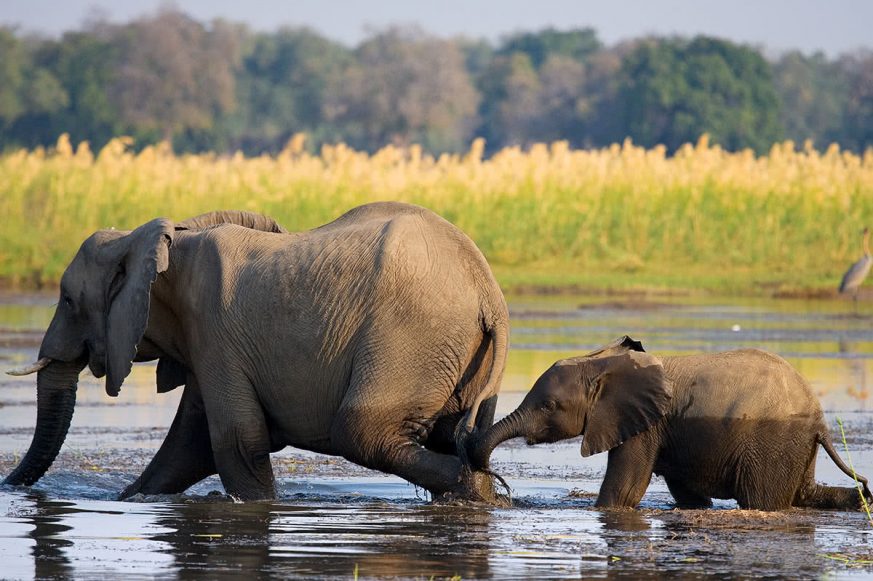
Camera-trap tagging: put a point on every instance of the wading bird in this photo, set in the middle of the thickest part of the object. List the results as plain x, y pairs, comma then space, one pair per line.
858, 272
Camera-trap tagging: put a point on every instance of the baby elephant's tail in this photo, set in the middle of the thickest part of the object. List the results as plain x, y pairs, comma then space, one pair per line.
825, 440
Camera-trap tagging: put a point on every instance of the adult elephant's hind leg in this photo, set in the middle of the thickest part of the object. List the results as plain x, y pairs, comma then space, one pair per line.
185, 457
381, 424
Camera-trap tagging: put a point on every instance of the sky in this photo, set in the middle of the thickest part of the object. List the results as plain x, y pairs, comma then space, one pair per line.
831, 26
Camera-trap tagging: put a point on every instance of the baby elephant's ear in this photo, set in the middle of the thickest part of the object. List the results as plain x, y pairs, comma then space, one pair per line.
621, 345
630, 394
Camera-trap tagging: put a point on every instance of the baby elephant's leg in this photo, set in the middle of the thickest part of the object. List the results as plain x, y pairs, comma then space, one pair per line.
685, 496
828, 497
628, 472
814, 495
778, 471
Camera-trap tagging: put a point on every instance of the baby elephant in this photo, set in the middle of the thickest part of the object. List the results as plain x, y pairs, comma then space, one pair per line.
741, 424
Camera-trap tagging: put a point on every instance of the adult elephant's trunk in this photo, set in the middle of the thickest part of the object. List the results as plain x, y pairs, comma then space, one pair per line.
512, 426
56, 398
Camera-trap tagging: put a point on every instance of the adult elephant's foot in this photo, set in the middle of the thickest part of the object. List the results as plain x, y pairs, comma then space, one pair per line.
130, 490
478, 486
445, 476
491, 487
477, 481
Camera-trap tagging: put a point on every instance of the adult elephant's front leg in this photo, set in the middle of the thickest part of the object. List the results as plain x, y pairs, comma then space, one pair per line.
240, 438
185, 457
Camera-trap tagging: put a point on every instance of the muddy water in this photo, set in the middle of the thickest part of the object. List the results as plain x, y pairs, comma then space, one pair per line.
333, 518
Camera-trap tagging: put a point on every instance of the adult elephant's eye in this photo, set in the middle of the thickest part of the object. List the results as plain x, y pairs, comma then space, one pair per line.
68, 302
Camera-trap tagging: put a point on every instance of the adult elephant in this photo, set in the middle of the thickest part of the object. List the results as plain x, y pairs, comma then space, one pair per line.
372, 337
740, 424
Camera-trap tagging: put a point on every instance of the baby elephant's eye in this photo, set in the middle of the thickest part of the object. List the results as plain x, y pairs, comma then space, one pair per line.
550, 405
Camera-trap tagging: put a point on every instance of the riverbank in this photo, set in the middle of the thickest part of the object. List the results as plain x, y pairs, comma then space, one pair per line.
671, 281
535, 280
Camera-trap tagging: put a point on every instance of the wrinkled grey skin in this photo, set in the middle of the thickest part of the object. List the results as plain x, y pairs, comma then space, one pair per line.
740, 424
373, 337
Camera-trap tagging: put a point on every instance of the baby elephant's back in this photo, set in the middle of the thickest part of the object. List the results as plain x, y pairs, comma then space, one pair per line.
745, 384
739, 417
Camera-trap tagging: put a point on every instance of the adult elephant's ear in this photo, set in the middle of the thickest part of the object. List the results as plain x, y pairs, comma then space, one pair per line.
630, 392
137, 260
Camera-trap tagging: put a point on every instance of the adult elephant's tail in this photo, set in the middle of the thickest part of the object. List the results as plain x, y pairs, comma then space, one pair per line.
824, 439
495, 324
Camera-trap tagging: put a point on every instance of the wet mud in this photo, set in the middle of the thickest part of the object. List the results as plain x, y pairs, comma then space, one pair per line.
334, 519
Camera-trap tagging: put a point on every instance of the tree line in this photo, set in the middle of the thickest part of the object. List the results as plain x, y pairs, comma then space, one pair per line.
222, 87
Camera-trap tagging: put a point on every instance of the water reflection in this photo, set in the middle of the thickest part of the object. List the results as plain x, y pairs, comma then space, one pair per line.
384, 540
828, 344
76, 539
49, 557
832, 348
624, 521
729, 542
330, 537
326, 539
216, 537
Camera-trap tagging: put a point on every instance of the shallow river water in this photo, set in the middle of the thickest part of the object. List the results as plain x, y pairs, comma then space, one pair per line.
337, 520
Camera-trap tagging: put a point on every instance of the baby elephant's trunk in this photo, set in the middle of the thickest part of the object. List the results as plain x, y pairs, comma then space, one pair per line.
480, 448
476, 483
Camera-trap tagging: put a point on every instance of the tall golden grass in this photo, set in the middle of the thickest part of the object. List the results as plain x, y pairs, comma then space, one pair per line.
618, 215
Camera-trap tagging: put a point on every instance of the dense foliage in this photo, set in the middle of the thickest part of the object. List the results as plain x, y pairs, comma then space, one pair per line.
221, 87
618, 216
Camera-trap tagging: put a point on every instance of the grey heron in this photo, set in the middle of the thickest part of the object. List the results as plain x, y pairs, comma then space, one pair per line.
858, 272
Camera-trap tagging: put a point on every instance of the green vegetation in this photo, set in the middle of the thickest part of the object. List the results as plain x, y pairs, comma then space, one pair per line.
624, 217
854, 474
671, 88
221, 87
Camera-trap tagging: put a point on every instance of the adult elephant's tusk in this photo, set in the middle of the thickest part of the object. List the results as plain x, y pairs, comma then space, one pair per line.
32, 368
